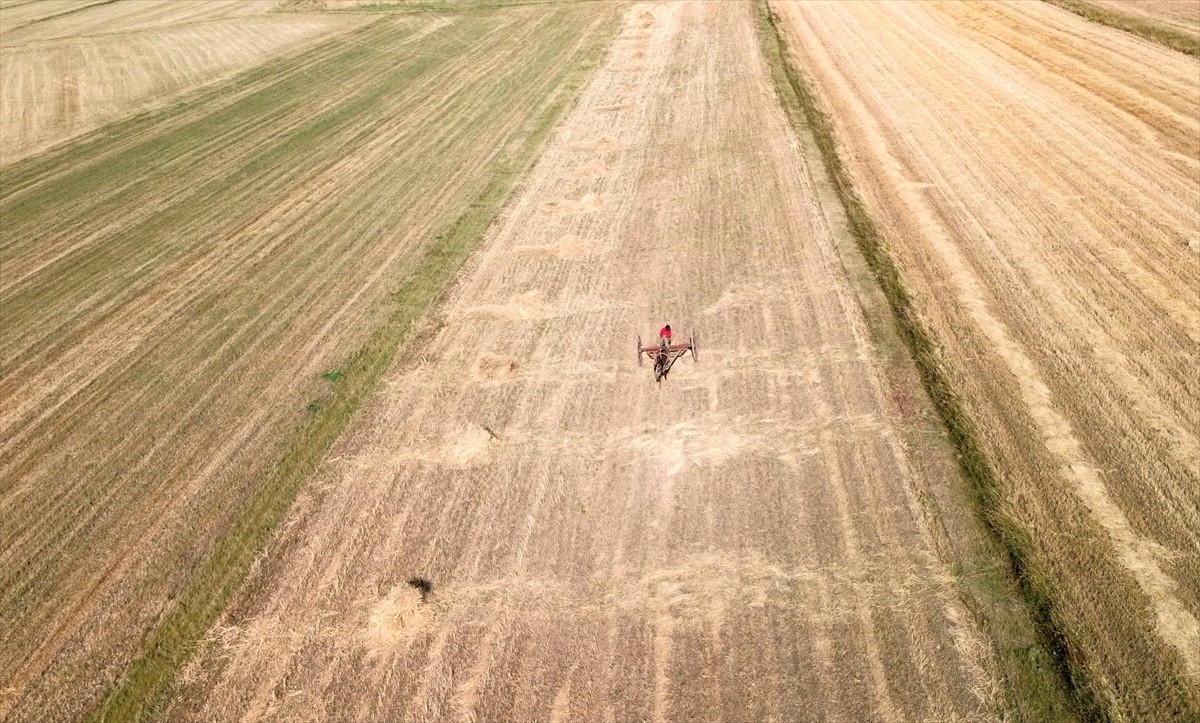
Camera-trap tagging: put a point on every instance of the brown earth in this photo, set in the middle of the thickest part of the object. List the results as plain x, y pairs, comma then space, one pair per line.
1037, 177
746, 541
70, 73
173, 286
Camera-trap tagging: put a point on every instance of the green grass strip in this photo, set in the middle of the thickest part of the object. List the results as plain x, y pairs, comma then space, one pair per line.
1155, 32
1029, 691
170, 645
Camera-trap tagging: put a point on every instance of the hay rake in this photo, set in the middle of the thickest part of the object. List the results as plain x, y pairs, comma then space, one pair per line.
665, 355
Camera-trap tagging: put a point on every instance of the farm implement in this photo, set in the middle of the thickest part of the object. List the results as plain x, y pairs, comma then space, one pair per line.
665, 355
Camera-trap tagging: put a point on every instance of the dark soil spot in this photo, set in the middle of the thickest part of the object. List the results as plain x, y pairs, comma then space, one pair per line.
423, 585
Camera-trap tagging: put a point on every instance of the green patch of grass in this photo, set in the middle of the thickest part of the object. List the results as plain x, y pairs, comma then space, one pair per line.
1155, 32
199, 605
313, 407
1043, 679
332, 376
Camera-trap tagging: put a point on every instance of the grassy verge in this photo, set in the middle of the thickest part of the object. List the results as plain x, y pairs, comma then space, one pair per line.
1042, 680
1155, 32
200, 604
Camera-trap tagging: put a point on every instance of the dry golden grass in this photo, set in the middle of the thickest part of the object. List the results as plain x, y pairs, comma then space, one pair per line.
751, 540
69, 74
520, 525
16, 14
1181, 14
1045, 224
1173, 23
175, 285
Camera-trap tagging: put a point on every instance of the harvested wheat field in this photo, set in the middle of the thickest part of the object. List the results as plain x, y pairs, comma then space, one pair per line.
175, 285
522, 525
63, 74
1037, 178
1180, 14
319, 397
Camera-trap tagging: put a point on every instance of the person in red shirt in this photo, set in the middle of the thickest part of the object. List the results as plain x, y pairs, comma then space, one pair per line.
664, 335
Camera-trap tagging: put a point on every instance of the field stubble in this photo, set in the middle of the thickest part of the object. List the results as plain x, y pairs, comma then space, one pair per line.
745, 541
1046, 226
71, 68
175, 285
1173, 23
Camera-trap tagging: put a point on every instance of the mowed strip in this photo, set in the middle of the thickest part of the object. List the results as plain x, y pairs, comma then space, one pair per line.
174, 286
1039, 188
524, 526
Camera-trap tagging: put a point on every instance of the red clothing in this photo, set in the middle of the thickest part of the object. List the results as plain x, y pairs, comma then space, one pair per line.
665, 333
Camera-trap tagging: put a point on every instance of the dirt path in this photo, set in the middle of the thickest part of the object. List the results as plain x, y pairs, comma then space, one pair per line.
742, 542
1040, 189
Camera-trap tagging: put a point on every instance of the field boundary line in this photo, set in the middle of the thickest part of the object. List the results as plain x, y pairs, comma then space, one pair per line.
140, 692
1155, 32
808, 116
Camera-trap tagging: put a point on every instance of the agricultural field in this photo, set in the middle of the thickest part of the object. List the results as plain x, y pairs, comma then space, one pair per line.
68, 72
1180, 14
523, 526
175, 285
19, 13
1037, 178
1172, 23
319, 397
